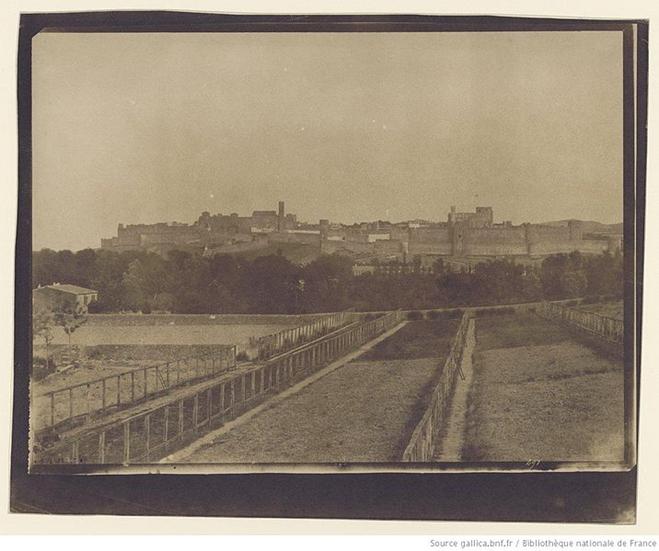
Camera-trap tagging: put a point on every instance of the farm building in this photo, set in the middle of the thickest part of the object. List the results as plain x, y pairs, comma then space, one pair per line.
62, 296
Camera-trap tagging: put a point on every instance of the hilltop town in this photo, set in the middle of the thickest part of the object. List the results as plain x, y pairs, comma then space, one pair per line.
463, 235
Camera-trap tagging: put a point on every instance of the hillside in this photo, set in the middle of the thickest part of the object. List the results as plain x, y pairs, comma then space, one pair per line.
589, 226
298, 253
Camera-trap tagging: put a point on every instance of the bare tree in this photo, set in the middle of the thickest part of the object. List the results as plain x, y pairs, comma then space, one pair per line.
70, 319
43, 321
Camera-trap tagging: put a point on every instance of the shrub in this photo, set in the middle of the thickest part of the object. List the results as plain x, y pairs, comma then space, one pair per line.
40, 370
93, 353
414, 315
482, 312
433, 314
241, 356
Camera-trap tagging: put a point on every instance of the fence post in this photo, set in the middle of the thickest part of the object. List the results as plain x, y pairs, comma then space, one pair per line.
195, 411
101, 447
180, 417
166, 424
147, 434
126, 442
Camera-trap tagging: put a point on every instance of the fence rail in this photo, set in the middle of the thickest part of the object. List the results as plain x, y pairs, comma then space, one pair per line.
97, 396
277, 343
148, 435
423, 440
610, 329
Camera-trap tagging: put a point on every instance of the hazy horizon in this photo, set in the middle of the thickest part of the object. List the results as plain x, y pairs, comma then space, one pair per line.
145, 128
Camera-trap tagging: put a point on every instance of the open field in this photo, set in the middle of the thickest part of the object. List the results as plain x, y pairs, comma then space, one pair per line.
613, 310
540, 394
364, 411
106, 360
200, 319
125, 383
165, 334
418, 339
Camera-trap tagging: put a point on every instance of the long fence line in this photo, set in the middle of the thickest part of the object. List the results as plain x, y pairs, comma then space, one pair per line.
151, 434
277, 343
90, 398
610, 329
422, 443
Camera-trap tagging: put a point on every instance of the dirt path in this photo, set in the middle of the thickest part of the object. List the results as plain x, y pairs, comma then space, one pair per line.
450, 437
361, 412
553, 399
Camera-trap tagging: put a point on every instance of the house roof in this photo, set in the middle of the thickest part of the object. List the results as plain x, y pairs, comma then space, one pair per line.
67, 288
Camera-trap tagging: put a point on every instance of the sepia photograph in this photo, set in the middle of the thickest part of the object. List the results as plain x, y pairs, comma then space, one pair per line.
271, 247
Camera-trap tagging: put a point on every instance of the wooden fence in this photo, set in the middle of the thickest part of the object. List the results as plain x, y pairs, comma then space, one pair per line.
610, 329
423, 440
270, 345
85, 400
153, 433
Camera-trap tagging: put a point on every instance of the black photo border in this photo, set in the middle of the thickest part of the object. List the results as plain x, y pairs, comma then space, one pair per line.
603, 497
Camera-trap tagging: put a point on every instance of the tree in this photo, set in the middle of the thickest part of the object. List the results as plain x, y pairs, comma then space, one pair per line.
326, 284
272, 285
70, 320
133, 284
43, 321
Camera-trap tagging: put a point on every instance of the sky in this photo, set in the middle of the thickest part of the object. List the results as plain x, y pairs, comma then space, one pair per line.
158, 127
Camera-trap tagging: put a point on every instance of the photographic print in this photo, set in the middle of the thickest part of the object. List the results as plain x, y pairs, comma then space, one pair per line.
273, 247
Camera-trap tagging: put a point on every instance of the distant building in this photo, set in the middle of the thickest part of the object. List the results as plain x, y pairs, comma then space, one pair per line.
62, 296
482, 218
209, 232
462, 235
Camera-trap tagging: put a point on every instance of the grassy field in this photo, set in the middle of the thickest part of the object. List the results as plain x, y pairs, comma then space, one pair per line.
364, 411
513, 330
417, 339
129, 320
539, 394
92, 335
112, 345
110, 361
613, 310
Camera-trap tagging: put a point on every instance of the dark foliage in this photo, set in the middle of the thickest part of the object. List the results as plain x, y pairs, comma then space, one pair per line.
185, 283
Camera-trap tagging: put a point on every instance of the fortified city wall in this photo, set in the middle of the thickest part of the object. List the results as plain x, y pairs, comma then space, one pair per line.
464, 234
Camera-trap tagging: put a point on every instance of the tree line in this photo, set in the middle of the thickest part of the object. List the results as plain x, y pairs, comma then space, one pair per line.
187, 283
